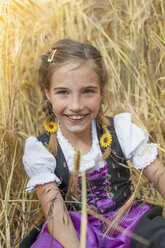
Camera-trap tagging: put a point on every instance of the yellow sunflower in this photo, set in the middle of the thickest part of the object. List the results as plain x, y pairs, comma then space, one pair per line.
105, 140
51, 127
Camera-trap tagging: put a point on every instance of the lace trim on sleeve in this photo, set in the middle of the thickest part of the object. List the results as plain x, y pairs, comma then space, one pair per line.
41, 179
144, 155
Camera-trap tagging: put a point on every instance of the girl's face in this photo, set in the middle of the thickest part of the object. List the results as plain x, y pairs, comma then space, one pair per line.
75, 96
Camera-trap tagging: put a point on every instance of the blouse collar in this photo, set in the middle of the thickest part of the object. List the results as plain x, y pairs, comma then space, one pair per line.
88, 160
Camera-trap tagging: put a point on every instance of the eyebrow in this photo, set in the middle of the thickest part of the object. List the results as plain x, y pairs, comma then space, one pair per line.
60, 88
91, 86
86, 87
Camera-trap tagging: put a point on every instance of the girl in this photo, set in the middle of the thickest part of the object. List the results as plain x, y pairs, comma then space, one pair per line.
72, 77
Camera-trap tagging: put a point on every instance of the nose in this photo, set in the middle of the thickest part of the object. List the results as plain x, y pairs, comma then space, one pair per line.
75, 104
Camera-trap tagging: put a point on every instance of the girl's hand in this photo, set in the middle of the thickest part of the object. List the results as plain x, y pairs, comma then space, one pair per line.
155, 173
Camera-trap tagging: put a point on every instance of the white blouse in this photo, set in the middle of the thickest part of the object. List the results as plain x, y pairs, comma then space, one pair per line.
40, 164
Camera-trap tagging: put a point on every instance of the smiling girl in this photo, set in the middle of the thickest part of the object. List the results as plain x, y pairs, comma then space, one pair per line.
75, 96
72, 77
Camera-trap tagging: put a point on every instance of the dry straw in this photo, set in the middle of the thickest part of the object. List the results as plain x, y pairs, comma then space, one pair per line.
129, 34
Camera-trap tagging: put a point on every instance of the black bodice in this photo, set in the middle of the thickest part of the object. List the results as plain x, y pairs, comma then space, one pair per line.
118, 183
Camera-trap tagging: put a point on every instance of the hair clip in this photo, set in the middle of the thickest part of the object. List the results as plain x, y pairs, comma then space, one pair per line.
104, 126
51, 56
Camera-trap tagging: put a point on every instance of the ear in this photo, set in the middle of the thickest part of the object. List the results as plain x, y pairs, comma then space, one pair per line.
47, 94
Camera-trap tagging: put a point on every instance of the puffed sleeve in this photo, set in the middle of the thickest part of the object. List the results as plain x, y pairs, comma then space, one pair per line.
134, 141
39, 164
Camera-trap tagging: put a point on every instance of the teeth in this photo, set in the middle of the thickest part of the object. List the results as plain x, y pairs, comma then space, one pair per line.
75, 117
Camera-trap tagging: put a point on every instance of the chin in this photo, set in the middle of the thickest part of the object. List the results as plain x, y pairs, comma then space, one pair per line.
76, 130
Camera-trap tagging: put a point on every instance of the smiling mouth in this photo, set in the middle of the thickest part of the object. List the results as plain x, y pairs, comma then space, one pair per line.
76, 117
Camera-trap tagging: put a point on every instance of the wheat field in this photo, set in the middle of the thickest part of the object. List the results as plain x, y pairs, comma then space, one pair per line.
131, 37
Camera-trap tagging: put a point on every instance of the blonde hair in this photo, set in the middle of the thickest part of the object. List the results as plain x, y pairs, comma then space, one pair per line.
67, 51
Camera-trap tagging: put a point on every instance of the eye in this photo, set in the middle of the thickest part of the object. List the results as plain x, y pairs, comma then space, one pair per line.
62, 92
88, 92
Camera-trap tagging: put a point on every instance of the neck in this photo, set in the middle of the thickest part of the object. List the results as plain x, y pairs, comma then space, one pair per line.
80, 141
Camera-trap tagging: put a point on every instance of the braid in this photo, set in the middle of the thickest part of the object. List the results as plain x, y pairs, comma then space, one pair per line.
47, 109
50, 116
52, 146
102, 121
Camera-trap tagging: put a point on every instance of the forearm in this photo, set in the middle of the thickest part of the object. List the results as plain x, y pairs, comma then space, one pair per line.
155, 173
59, 224
160, 185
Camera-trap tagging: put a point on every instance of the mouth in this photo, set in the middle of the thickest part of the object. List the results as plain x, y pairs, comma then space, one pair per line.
76, 118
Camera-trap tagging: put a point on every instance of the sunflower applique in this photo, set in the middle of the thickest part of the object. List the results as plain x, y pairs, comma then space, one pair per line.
51, 127
105, 140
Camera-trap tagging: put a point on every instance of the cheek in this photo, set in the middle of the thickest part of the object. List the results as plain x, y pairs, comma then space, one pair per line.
95, 105
57, 109
55, 106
